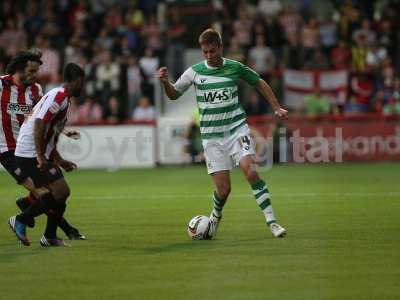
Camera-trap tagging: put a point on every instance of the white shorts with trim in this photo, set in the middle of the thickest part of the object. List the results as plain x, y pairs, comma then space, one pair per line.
223, 154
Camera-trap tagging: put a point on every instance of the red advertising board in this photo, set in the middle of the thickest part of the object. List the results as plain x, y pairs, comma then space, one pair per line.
332, 139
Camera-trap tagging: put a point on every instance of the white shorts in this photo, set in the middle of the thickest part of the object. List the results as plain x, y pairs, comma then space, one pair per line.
225, 153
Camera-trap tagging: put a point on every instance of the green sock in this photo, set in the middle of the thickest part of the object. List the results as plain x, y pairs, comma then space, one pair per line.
218, 205
262, 196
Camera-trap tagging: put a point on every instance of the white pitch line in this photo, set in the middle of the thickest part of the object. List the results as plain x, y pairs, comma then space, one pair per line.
277, 195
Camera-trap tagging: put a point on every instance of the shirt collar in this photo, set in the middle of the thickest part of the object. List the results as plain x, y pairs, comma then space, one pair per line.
214, 68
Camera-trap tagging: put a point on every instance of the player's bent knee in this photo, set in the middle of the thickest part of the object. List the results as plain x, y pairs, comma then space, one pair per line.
251, 175
39, 192
61, 194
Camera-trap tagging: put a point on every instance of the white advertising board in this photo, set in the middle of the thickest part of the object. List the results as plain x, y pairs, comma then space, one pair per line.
111, 147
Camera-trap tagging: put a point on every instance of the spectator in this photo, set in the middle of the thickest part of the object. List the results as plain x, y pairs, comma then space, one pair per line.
292, 53
359, 54
310, 39
392, 105
134, 78
152, 33
341, 56
144, 111
291, 22
112, 113
242, 27
353, 107
149, 65
135, 18
175, 50
12, 38
104, 40
235, 51
90, 111
375, 57
365, 32
194, 146
256, 106
269, 8
107, 77
49, 71
328, 34
262, 58
317, 104
387, 72
317, 62
387, 37
361, 91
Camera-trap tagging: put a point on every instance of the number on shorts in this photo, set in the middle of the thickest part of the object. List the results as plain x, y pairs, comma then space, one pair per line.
245, 141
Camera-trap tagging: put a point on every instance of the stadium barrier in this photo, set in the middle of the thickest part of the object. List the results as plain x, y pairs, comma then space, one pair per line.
111, 147
357, 137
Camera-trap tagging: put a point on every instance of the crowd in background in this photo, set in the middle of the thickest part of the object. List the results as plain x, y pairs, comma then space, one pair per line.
122, 43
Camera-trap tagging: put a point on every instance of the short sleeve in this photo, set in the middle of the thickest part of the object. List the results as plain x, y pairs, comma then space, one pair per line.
185, 81
248, 74
51, 106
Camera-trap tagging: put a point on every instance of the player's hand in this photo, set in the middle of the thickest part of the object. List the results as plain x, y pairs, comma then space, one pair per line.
73, 134
42, 162
281, 113
67, 165
162, 74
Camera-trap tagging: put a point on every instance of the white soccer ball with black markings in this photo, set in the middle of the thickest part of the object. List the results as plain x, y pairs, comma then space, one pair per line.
199, 228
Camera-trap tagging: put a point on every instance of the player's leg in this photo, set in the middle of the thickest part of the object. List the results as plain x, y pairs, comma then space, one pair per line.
60, 192
8, 161
33, 178
219, 165
39, 192
261, 193
222, 183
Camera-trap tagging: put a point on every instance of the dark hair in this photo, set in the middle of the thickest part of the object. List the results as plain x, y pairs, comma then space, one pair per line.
72, 72
210, 36
20, 60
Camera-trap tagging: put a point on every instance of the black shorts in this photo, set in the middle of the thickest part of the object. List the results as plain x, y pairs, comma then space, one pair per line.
40, 178
9, 162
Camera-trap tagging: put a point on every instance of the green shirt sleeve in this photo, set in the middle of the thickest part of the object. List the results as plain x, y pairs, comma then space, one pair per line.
248, 74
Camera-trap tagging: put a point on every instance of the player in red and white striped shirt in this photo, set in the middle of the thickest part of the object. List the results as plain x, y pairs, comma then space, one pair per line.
19, 92
37, 156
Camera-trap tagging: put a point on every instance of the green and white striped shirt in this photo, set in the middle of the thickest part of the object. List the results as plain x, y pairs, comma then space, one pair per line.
221, 113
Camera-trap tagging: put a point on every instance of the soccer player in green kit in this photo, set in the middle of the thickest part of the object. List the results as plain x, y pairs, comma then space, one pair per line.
224, 130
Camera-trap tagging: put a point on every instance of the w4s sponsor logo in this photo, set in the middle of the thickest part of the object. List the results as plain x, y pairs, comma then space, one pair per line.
218, 96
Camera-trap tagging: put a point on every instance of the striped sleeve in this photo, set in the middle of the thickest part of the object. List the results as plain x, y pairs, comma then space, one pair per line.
51, 107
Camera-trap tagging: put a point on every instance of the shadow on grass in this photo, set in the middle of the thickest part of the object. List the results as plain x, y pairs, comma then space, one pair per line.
196, 246
12, 251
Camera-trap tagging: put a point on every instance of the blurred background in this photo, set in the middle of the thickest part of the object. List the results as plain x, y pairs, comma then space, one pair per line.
333, 64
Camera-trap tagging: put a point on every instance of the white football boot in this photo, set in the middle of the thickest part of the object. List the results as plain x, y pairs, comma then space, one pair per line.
214, 223
277, 230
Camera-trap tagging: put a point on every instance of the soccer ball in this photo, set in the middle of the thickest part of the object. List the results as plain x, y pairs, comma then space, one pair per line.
199, 227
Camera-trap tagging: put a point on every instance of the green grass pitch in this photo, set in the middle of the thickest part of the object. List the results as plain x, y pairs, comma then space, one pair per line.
343, 241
